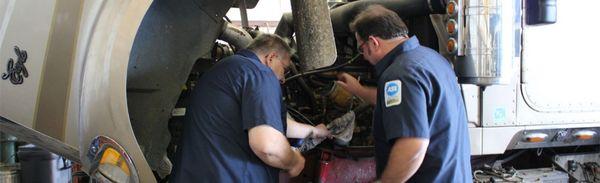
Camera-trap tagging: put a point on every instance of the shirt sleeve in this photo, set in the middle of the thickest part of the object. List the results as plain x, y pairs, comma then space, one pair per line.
261, 100
409, 118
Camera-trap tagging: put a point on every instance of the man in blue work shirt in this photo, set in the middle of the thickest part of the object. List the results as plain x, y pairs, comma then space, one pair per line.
420, 124
235, 128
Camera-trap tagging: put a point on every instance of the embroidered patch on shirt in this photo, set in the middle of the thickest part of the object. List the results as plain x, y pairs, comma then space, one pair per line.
392, 93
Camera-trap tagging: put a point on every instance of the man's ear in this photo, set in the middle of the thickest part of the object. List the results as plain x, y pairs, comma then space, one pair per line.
269, 58
374, 40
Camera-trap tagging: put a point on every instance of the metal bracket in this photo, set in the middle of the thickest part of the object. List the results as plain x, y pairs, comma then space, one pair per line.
576, 165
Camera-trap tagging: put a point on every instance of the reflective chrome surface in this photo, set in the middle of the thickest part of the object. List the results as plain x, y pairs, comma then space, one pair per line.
121, 170
486, 56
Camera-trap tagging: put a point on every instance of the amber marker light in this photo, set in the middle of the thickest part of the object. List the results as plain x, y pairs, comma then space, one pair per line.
451, 26
585, 134
535, 137
451, 8
451, 45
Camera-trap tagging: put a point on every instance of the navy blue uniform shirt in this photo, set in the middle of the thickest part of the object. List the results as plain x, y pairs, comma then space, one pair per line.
418, 96
237, 94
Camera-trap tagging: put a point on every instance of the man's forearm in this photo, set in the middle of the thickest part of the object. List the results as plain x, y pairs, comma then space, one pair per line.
405, 158
272, 147
368, 94
285, 159
291, 161
298, 130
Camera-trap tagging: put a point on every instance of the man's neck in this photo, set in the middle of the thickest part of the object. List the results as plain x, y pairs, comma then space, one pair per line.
261, 57
389, 44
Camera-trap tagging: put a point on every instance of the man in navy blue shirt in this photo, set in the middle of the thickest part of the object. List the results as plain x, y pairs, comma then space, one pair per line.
235, 128
420, 124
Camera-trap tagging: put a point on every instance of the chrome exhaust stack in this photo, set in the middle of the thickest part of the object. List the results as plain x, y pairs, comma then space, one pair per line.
482, 40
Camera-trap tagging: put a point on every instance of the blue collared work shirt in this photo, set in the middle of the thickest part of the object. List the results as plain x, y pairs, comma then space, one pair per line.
237, 94
418, 96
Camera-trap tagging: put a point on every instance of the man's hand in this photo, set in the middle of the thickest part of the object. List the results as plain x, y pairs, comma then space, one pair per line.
349, 83
320, 131
298, 165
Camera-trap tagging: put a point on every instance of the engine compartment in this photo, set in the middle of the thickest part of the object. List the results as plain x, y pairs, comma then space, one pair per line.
312, 96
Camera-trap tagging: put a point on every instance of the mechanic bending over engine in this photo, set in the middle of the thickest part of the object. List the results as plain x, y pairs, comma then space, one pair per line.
234, 131
420, 124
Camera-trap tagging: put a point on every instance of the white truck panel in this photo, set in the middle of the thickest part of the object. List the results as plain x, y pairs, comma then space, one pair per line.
560, 62
26, 24
559, 69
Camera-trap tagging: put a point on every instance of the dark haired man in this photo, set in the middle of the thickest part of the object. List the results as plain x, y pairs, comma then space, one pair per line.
420, 124
235, 128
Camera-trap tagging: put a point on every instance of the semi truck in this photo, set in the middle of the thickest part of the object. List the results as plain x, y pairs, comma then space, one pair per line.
104, 83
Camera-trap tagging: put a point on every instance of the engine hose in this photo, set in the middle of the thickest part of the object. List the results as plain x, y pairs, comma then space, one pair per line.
326, 69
